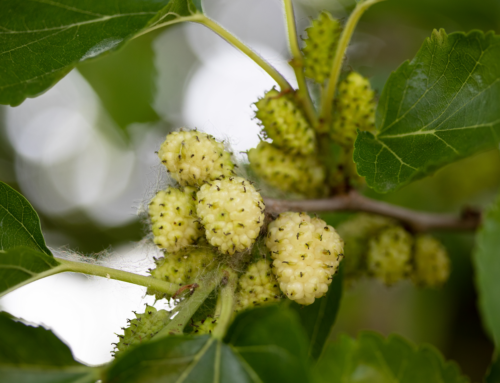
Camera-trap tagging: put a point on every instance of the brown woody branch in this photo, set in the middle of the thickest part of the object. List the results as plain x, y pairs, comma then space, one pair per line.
353, 201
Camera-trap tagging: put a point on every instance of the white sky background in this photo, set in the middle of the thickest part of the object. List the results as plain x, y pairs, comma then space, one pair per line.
64, 162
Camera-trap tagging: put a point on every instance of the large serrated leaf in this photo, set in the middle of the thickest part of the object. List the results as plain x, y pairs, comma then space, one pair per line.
41, 41
19, 222
436, 109
197, 359
487, 267
35, 355
22, 265
262, 345
319, 318
272, 342
372, 359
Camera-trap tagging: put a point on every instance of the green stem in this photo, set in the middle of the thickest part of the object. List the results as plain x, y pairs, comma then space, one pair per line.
345, 38
191, 305
124, 276
200, 18
229, 37
227, 299
297, 64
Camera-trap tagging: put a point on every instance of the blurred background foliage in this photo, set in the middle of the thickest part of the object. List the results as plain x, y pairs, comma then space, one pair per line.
83, 153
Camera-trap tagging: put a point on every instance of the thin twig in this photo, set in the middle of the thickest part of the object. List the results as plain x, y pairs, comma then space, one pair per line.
353, 201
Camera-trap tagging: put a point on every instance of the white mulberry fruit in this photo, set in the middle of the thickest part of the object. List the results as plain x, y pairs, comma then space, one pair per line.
232, 212
257, 286
306, 253
354, 109
431, 262
356, 233
174, 219
285, 123
144, 327
321, 44
389, 255
193, 157
291, 173
205, 326
183, 267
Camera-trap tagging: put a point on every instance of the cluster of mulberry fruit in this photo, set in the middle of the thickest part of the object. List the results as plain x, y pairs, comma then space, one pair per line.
289, 163
212, 216
379, 247
214, 203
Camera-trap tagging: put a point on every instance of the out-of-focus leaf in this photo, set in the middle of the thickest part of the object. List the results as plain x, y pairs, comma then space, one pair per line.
262, 345
124, 82
35, 355
487, 265
41, 41
373, 359
319, 318
22, 265
272, 342
436, 109
493, 375
19, 223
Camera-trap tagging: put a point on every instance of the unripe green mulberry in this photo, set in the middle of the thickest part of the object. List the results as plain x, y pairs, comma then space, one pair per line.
205, 326
232, 212
356, 233
389, 255
354, 109
174, 219
285, 124
193, 157
306, 253
183, 267
431, 262
142, 328
290, 173
321, 44
257, 286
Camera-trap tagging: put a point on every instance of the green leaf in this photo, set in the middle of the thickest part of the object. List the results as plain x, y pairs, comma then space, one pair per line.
272, 342
373, 359
34, 354
262, 345
319, 318
22, 265
41, 41
124, 81
436, 109
493, 375
487, 267
196, 359
19, 223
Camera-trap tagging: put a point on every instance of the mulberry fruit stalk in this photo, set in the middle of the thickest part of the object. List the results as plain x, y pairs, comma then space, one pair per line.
306, 253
